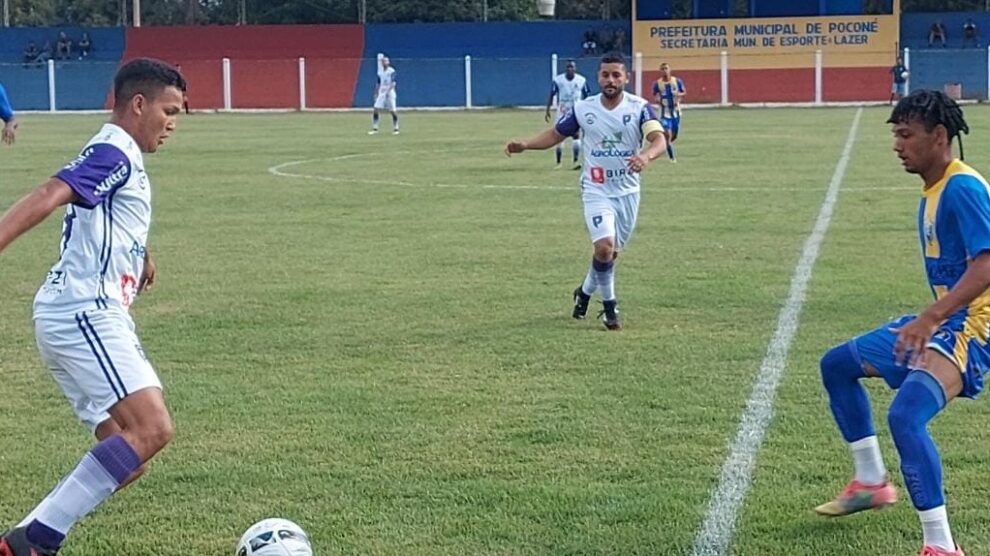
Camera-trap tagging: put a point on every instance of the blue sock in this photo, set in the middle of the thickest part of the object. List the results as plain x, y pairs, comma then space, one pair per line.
605, 276
395, 121
576, 149
841, 371
559, 153
670, 150
374, 121
919, 399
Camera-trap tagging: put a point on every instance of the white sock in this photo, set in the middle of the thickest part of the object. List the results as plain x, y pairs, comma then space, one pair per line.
935, 525
606, 283
81, 491
869, 462
590, 285
34, 513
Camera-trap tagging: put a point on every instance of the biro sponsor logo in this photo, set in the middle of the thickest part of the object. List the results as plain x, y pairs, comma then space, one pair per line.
118, 176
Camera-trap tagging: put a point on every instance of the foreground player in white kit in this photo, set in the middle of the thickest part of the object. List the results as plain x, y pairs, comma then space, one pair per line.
385, 96
568, 88
83, 330
614, 124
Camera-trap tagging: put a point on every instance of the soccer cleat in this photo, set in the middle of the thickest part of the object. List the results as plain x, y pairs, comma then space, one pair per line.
610, 315
373, 132
15, 543
580, 304
577, 166
673, 161
857, 497
395, 132
929, 550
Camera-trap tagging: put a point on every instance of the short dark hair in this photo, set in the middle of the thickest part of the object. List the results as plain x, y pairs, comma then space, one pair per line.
145, 76
613, 58
931, 108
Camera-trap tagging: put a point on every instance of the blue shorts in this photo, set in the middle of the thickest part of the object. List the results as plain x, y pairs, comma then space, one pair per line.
899, 89
672, 125
876, 349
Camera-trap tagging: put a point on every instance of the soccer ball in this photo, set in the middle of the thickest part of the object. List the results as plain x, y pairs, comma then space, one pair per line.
274, 537
904, 75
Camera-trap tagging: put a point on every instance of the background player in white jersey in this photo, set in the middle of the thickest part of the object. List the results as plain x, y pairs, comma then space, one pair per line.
615, 124
568, 88
82, 327
385, 96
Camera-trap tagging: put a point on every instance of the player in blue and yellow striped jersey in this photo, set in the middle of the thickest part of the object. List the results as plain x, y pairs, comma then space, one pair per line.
9, 132
935, 356
667, 92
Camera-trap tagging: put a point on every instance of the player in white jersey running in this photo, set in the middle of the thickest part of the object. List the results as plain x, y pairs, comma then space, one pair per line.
568, 88
385, 96
82, 326
615, 123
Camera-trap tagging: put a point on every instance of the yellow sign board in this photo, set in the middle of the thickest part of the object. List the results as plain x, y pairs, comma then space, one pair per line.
757, 43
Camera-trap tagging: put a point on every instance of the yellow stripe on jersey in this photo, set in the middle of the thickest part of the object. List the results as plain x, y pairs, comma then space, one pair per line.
649, 126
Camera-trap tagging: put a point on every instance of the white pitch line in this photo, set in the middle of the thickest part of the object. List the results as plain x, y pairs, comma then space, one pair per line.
715, 533
281, 170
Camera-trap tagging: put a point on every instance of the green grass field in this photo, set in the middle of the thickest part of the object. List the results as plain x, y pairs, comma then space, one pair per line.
380, 347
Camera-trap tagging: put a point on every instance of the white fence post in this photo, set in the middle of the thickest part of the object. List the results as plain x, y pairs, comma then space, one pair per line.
467, 82
51, 85
227, 104
553, 66
907, 64
818, 76
638, 68
724, 74
302, 83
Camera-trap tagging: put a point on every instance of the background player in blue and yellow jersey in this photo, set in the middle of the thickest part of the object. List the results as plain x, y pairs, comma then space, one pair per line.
935, 356
667, 92
9, 132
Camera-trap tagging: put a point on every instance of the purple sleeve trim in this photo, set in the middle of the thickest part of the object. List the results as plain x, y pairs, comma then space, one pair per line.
99, 170
568, 125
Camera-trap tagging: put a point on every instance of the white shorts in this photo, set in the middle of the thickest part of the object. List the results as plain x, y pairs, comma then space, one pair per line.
610, 217
96, 358
386, 101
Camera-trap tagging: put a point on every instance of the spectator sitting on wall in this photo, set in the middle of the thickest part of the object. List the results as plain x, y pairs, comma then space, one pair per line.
47, 52
619, 40
606, 42
64, 46
31, 53
936, 33
590, 45
85, 46
969, 34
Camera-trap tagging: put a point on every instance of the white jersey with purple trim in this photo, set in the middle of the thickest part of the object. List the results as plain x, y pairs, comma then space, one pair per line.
611, 137
386, 78
568, 92
105, 231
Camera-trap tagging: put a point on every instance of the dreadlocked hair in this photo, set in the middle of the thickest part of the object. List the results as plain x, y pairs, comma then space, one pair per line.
931, 108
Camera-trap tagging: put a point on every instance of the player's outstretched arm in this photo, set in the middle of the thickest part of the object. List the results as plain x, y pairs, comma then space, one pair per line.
541, 142
32, 209
658, 145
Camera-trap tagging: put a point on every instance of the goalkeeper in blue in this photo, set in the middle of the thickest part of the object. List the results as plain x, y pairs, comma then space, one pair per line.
9, 132
935, 356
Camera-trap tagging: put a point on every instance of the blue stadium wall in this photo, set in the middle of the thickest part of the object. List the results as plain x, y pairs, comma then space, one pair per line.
510, 62
933, 68
80, 84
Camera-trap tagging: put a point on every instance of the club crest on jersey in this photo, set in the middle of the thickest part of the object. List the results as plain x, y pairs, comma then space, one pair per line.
929, 233
590, 118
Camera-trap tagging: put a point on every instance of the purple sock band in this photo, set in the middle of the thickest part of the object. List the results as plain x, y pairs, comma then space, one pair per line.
117, 457
44, 536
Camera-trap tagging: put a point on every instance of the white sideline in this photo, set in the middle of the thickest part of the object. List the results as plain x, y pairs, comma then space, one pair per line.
715, 533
